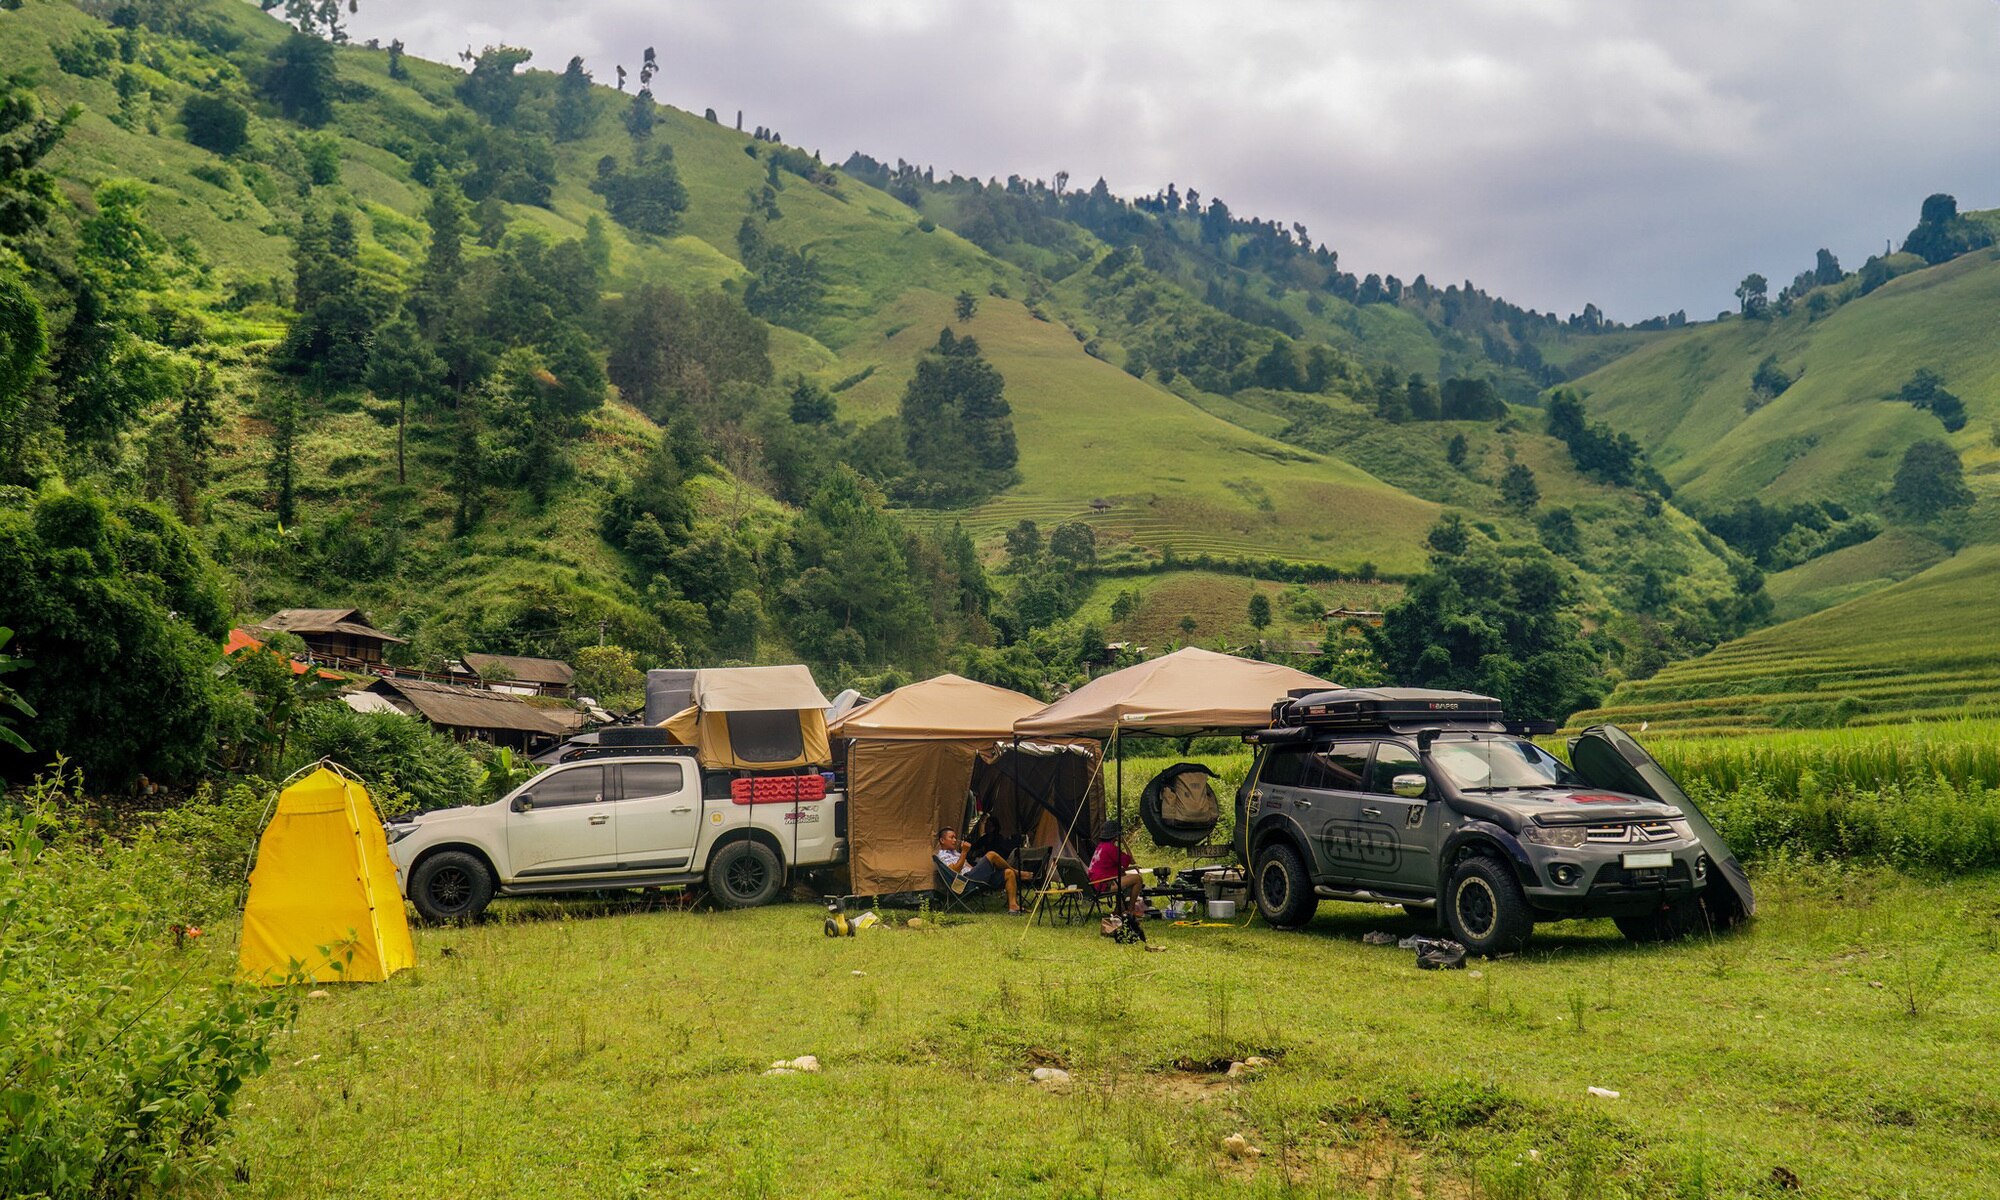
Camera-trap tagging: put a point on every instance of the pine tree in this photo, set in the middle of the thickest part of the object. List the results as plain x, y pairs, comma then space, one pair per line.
573, 112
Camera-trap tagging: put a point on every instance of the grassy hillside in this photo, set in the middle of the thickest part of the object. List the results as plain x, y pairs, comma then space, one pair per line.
1836, 433
1925, 648
1252, 440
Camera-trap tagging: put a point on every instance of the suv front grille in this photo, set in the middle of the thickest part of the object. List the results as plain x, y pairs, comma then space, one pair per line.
1639, 831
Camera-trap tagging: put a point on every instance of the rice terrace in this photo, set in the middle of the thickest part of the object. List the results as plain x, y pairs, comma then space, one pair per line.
785, 601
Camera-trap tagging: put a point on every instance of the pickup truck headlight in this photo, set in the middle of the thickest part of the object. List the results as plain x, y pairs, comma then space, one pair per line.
1567, 837
396, 833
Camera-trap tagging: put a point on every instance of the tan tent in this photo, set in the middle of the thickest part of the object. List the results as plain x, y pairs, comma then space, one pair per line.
1188, 691
921, 754
755, 719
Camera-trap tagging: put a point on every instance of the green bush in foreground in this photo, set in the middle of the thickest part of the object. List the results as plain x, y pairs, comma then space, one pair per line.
122, 1042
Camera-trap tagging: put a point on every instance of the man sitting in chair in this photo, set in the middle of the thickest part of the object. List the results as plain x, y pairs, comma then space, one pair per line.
988, 871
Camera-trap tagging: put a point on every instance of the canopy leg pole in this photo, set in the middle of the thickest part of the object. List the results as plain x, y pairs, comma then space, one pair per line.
1118, 750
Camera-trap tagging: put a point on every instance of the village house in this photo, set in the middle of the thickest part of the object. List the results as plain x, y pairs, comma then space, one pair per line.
522, 675
335, 636
469, 713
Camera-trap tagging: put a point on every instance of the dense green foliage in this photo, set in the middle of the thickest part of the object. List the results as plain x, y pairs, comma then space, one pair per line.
124, 1051
122, 614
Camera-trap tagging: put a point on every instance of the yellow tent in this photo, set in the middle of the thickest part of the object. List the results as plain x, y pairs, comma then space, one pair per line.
324, 890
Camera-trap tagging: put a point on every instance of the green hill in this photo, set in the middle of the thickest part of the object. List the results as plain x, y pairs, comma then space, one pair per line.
1210, 395
1908, 626
1925, 648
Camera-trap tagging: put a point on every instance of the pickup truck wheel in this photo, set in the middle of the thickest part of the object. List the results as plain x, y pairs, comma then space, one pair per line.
452, 886
1668, 923
1484, 908
745, 875
1284, 890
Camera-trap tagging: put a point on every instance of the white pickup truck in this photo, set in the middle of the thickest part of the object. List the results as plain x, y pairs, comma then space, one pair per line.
613, 821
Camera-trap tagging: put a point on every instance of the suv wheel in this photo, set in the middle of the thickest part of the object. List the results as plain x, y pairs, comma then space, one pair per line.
1484, 909
1667, 923
452, 886
744, 875
1284, 890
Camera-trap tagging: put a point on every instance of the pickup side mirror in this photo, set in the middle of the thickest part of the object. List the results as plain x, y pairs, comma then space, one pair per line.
1409, 787
524, 803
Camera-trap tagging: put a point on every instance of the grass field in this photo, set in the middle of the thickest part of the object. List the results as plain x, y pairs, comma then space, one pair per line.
1925, 648
1845, 1038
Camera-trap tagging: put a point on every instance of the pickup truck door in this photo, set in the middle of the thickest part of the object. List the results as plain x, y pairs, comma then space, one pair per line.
659, 815
1413, 826
562, 825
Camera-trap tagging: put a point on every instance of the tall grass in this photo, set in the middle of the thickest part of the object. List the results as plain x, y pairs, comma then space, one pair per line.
1960, 753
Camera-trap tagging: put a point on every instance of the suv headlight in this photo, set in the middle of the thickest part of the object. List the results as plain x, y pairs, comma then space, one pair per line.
396, 833
1568, 837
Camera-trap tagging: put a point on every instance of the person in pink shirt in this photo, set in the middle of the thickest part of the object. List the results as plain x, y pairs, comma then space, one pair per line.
1112, 868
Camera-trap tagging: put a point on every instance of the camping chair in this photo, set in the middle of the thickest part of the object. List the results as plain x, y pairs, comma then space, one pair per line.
954, 891
1074, 897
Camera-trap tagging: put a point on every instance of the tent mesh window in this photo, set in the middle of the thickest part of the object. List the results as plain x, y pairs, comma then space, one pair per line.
772, 736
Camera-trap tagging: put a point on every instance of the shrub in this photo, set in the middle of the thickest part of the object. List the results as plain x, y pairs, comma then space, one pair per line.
124, 1045
405, 763
215, 123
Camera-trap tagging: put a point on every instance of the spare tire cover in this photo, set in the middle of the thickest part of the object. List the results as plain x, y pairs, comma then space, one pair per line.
1179, 806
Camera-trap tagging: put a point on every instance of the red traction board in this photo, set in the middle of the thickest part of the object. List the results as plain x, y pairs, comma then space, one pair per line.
777, 789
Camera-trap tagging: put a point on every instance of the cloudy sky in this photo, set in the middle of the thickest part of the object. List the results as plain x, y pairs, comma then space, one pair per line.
1640, 154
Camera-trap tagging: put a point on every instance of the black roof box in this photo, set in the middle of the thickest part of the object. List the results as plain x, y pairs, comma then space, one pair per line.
1357, 707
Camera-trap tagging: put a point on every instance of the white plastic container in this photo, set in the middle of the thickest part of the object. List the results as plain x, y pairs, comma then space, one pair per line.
1221, 910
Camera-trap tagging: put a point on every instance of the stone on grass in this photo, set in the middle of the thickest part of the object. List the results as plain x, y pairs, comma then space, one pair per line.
1053, 1076
1603, 1093
319, 994
1239, 1146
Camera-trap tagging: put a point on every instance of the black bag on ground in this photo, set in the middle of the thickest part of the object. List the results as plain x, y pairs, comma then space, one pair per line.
1439, 954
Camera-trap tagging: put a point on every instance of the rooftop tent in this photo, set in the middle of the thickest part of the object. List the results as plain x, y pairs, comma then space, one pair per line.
754, 719
1189, 691
918, 755
323, 879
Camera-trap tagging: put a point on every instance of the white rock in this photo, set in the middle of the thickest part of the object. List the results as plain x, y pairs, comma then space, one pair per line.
319, 994
804, 1062
1253, 1062
1237, 1070
781, 1071
857, 972
1240, 1147
915, 923
1603, 1093
1049, 1075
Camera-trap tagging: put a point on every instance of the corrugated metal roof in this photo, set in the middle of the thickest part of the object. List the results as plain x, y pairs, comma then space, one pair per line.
522, 669
351, 621
474, 708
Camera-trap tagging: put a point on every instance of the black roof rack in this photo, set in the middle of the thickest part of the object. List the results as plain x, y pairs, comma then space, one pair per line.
1357, 708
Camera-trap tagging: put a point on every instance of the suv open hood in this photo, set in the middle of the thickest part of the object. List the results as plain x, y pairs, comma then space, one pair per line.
1607, 757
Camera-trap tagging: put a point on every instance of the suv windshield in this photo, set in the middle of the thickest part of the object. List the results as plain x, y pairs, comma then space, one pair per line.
1484, 763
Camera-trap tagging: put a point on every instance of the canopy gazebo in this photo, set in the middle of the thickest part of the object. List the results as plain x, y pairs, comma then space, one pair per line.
1188, 692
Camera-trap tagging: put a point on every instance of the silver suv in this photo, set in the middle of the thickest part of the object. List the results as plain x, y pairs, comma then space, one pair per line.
1434, 801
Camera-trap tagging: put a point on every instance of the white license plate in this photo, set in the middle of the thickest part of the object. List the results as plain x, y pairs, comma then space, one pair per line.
1649, 859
